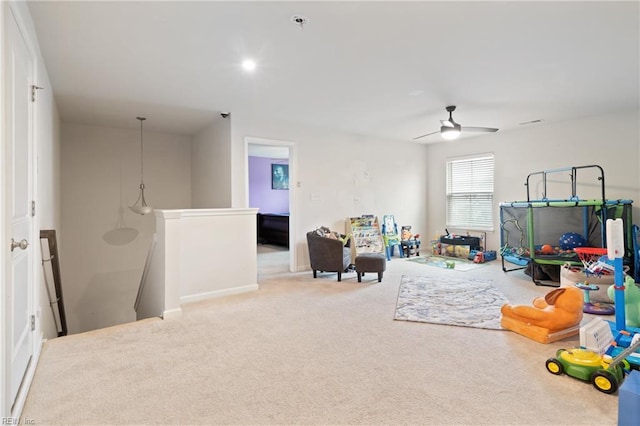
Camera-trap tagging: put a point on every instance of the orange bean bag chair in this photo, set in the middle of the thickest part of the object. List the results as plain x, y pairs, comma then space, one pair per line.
555, 316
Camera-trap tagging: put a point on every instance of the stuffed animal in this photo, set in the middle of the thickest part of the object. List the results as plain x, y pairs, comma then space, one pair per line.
323, 231
631, 301
557, 310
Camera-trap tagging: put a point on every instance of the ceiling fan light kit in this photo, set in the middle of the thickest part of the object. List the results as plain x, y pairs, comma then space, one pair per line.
451, 130
450, 133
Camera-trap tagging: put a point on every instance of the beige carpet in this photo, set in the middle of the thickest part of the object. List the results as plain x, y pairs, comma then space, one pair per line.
272, 259
305, 351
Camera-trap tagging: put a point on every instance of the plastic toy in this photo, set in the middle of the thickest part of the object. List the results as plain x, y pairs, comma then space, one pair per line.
636, 251
517, 255
406, 233
631, 301
390, 236
594, 261
409, 242
547, 249
604, 372
571, 240
594, 308
479, 257
624, 332
487, 255
615, 252
597, 334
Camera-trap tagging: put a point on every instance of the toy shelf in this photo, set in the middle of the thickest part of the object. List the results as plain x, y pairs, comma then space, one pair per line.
366, 236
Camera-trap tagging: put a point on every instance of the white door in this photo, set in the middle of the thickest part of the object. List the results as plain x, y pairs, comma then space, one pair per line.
19, 66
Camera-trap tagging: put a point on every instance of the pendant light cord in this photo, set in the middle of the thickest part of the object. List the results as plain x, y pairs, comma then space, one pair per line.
141, 152
143, 208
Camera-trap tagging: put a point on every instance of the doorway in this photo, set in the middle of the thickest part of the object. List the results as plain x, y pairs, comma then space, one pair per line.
271, 187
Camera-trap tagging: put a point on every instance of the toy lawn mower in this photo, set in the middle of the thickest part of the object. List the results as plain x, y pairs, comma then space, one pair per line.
604, 372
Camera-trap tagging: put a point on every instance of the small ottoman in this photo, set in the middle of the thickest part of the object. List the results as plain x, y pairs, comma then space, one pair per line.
370, 262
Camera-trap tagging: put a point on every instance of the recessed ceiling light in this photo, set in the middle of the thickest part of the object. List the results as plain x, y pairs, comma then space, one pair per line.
248, 65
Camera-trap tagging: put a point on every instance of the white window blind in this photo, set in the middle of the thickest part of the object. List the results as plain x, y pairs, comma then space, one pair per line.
470, 193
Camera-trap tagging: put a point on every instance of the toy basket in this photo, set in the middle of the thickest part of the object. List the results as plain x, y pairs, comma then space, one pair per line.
591, 258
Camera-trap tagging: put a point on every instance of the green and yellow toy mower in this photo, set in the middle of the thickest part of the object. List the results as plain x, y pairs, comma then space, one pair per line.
604, 372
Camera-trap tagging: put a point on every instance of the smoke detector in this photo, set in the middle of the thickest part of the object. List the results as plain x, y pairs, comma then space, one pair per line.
299, 20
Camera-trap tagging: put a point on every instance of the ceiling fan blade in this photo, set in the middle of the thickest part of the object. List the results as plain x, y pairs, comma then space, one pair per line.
428, 134
480, 129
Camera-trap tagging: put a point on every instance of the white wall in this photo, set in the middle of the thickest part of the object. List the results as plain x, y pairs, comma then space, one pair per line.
337, 176
611, 141
101, 268
47, 137
5, 404
215, 259
408, 179
188, 267
210, 166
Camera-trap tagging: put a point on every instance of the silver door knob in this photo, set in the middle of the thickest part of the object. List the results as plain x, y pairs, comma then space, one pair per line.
22, 245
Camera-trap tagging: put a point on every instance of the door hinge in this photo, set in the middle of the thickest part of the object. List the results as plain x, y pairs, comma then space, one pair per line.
33, 322
33, 209
33, 92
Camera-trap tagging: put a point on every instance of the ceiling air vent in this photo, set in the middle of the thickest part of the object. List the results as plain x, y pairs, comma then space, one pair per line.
532, 122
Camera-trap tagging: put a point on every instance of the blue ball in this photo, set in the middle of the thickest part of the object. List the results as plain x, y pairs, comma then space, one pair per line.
571, 240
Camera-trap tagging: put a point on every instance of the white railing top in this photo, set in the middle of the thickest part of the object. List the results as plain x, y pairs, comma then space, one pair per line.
178, 213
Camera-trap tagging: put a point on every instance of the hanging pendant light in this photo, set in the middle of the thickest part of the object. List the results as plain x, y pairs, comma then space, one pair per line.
140, 205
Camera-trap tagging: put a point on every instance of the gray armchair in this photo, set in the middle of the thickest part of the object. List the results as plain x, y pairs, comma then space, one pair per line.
328, 255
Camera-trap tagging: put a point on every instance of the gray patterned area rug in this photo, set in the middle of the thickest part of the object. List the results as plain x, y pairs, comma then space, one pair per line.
450, 301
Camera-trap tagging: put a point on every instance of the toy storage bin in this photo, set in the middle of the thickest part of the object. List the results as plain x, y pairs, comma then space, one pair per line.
454, 250
461, 240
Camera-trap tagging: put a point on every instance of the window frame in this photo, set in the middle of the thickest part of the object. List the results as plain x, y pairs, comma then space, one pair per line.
480, 186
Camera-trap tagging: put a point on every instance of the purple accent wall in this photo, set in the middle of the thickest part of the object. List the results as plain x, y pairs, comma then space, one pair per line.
261, 195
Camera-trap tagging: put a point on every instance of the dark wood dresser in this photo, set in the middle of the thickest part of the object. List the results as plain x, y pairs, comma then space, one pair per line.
273, 228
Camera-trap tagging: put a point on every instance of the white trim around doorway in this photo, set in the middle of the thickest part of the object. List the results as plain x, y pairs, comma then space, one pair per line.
293, 188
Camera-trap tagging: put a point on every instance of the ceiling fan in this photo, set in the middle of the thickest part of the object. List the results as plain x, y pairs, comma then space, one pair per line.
451, 130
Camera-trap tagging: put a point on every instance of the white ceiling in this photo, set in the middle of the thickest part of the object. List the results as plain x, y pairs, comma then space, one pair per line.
382, 69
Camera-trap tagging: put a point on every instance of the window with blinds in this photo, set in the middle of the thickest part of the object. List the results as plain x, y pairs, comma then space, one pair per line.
470, 193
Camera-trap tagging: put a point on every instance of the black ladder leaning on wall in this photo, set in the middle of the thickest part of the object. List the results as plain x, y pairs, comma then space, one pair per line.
51, 270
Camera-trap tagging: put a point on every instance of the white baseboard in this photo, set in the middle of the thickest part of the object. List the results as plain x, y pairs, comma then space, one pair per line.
218, 293
172, 313
21, 397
